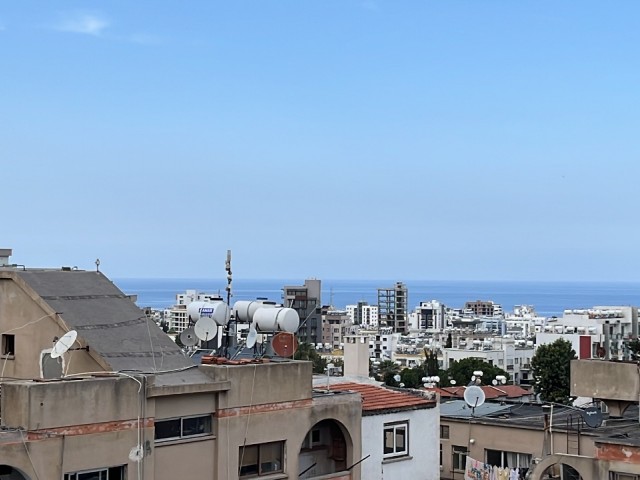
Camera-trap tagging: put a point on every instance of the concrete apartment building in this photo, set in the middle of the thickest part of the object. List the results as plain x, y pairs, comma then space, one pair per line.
392, 307
363, 314
307, 301
335, 325
124, 402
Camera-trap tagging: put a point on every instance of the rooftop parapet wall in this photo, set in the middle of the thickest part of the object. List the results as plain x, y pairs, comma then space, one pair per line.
42, 405
254, 383
605, 380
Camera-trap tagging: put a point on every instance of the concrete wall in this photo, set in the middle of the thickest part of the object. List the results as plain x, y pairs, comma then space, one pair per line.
422, 462
262, 383
70, 426
605, 380
34, 325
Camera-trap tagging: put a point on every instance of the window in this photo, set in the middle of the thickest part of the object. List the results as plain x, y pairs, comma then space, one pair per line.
623, 476
177, 428
262, 459
444, 431
396, 439
113, 473
8, 344
459, 457
508, 459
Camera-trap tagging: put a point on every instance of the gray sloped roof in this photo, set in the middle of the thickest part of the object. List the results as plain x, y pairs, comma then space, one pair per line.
459, 408
106, 320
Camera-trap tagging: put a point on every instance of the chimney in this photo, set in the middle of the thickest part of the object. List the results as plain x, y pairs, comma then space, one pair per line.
356, 356
5, 253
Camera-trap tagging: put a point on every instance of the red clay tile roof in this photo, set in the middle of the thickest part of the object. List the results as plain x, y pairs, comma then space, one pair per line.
376, 399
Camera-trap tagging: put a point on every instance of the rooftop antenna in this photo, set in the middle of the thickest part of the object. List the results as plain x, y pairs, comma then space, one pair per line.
230, 338
97, 264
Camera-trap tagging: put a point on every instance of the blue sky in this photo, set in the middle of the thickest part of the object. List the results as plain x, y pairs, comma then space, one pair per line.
464, 140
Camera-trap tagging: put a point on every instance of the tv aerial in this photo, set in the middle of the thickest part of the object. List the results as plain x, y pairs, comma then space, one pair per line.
64, 344
474, 396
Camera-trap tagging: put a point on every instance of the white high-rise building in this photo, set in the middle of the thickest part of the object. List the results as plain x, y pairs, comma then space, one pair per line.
363, 314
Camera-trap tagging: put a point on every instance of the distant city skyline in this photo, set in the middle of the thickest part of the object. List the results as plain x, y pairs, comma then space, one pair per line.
345, 140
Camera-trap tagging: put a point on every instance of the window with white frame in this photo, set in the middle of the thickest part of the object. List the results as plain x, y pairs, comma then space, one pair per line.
182, 427
459, 454
507, 459
111, 473
396, 439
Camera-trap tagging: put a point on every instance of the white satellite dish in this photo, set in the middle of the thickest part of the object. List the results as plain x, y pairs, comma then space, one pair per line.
474, 396
64, 343
252, 337
136, 453
188, 337
206, 328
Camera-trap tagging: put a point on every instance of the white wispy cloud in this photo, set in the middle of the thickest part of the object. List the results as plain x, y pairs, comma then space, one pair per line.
84, 23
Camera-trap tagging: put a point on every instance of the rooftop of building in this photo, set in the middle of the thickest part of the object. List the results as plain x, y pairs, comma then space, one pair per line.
106, 319
377, 399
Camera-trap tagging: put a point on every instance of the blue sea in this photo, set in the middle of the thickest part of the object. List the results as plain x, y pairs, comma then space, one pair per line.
548, 298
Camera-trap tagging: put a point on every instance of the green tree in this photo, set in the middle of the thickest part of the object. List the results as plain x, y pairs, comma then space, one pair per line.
411, 377
306, 351
462, 371
449, 342
430, 365
550, 367
386, 371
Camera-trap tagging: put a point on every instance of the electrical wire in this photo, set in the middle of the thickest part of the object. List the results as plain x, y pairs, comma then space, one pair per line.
29, 455
246, 431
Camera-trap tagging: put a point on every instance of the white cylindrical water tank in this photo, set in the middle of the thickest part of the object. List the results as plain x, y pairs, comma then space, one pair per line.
218, 311
274, 319
246, 309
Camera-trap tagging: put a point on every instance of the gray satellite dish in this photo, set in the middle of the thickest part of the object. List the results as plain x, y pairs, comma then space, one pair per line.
188, 337
64, 343
252, 337
474, 396
206, 328
592, 417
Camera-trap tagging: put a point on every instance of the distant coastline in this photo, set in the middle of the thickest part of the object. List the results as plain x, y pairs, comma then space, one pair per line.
548, 298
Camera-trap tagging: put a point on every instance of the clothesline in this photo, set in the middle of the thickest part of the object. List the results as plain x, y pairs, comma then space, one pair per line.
477, 470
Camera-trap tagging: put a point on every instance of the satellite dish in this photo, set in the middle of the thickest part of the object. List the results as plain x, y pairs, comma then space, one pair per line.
252, 337
206, 328
592, 417
64, 343
474, 396
188, 337
136, 454
284, 344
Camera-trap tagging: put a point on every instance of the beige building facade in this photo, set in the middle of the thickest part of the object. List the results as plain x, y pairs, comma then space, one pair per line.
125, 403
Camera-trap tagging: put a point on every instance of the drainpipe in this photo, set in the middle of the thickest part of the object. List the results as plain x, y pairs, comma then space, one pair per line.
607, 340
